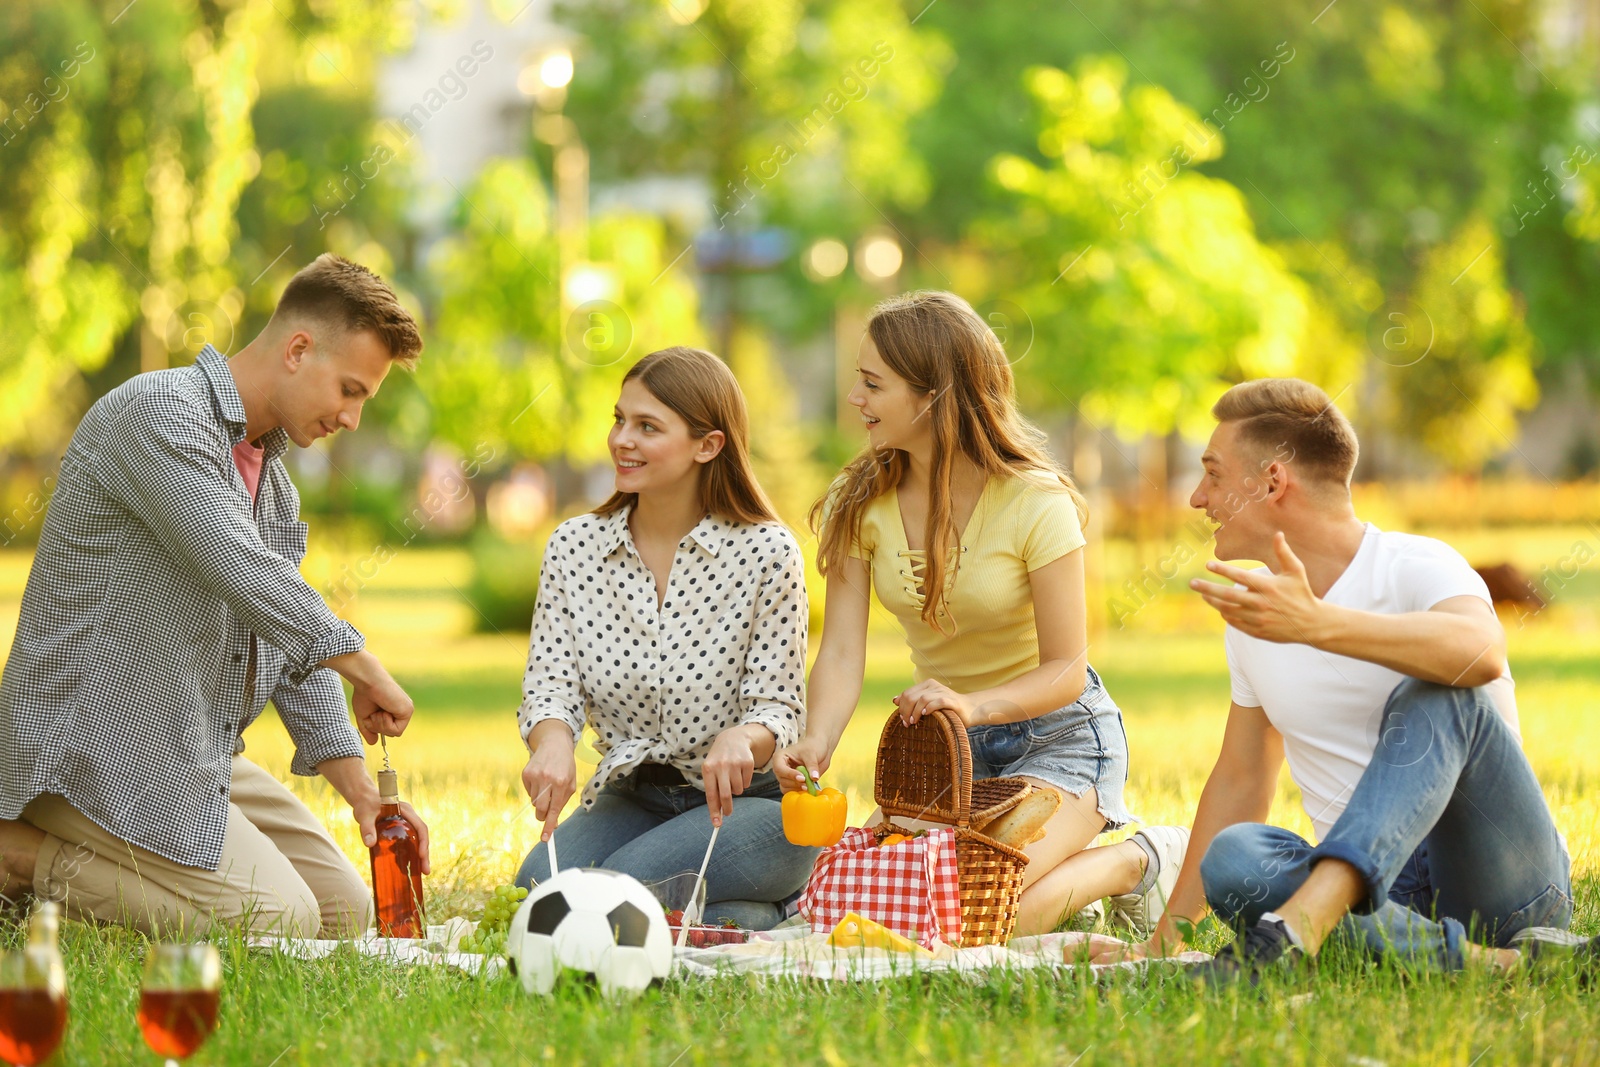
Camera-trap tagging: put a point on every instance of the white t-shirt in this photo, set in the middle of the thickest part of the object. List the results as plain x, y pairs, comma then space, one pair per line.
1327, 707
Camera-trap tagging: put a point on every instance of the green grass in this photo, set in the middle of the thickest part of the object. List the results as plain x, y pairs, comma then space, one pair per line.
460, 764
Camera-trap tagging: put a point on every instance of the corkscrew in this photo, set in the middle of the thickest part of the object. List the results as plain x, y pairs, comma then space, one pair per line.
383, 742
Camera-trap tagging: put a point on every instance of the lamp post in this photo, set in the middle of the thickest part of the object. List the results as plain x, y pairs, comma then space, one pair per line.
546, 81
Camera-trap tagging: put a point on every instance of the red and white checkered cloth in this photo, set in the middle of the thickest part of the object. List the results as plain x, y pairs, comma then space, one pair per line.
913, 888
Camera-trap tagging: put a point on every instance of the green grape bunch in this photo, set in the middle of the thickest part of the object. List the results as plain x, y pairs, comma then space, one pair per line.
494, 921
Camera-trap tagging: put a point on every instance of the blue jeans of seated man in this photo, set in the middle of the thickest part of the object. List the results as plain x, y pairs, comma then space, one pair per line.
1447, 826
653, 825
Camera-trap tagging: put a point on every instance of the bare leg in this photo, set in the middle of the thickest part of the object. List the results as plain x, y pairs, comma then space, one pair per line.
1064, 874
1332, 889
1326, 896
19, 853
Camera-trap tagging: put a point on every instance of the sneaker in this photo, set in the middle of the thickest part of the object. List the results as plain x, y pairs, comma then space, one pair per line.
1140, 912
1249, 956
1547, 947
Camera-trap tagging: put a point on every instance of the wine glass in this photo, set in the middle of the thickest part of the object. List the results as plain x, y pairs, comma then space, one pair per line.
178, 998
33, 1005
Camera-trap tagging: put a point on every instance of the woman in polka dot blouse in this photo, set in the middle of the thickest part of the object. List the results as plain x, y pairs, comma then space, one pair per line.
971, 535
672, 621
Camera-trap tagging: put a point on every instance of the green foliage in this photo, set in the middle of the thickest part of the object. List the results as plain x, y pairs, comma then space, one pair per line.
505, 582
130, 137
793, 113
504, 371
1361, 144
1146, 278
1461, 397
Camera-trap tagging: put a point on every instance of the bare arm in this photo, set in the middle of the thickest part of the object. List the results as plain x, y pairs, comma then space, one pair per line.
1239, 790
1456, 642
834, 688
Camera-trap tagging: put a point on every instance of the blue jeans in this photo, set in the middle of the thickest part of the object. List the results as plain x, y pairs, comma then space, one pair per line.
653, 825
1447, 826
1075, 748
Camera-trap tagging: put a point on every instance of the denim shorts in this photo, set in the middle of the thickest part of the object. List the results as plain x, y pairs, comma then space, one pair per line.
1074, 748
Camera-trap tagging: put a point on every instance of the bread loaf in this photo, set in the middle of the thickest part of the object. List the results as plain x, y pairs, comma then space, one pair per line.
1024, 824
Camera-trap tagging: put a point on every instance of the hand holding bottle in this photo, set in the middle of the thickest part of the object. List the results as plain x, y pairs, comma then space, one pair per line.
366, 810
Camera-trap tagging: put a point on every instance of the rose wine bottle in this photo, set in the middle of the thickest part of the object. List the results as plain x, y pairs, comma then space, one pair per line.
396, 866
33, 993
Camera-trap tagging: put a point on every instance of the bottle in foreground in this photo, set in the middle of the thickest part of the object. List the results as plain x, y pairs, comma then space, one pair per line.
33, 993
396, 866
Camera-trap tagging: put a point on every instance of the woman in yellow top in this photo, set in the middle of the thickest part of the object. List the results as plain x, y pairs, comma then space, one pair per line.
972, 537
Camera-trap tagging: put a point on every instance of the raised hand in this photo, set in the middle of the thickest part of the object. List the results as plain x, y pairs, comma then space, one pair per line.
1271, 606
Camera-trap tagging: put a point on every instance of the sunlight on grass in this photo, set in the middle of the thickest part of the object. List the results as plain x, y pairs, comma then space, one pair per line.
461, 760
460, 765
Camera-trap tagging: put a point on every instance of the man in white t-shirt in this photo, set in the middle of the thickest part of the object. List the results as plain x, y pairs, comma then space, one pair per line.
1375, 663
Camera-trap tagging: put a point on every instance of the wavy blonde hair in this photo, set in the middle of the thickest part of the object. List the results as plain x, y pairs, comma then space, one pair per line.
943, 349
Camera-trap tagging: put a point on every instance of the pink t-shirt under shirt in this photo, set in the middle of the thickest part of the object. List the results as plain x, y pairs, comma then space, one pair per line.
248, 458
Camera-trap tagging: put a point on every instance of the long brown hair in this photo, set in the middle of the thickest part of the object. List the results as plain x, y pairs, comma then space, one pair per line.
938, 344
705, 394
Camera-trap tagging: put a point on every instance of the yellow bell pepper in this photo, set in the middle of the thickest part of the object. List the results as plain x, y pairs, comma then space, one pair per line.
813, 815
855, 932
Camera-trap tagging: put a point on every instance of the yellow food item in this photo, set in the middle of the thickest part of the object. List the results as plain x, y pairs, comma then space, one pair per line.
893, 839
855, 932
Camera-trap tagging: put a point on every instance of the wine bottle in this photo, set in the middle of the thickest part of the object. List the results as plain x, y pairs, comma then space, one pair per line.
33, 993
396, 866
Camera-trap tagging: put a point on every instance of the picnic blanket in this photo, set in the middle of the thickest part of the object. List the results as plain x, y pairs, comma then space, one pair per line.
791, 953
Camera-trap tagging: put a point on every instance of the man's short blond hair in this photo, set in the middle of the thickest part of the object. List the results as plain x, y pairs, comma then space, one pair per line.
350, 298
1277, 412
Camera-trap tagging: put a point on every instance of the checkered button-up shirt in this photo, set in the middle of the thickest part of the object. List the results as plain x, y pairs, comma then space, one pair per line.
157, 586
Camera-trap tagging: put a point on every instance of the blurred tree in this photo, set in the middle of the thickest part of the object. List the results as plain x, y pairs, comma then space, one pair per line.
1363, 137
793, 113
1465, 372
128, 143
1144, 280
502, 372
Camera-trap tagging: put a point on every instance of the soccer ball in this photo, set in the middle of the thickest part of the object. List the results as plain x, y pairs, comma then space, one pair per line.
593, 922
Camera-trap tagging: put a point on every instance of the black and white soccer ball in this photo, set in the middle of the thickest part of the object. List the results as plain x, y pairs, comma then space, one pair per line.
590, 921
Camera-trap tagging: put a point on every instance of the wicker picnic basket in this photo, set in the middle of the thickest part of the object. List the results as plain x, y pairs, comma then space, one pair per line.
924, 772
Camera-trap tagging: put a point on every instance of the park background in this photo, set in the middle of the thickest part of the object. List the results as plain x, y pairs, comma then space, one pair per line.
1149, 201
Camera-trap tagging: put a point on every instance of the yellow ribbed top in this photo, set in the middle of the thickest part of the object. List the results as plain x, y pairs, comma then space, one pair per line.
1020, 524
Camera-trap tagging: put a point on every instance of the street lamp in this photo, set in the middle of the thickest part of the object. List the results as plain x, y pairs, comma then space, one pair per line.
826, 258
546, 80
555, 71
878, 257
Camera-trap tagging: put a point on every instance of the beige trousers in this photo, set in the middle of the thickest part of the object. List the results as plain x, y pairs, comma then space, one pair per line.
280, 872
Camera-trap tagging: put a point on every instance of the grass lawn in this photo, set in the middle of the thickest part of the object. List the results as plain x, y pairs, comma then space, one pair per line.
459, 765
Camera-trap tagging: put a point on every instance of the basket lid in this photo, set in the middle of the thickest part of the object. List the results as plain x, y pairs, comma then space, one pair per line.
925, 772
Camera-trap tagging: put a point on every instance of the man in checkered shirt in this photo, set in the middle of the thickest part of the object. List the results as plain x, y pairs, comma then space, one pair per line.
165, 607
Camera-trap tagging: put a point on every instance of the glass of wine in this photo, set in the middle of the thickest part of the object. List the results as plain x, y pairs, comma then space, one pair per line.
33, 992
178, 998
33, 1007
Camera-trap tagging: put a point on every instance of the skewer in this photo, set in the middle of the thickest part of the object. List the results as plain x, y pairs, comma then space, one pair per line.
695, 909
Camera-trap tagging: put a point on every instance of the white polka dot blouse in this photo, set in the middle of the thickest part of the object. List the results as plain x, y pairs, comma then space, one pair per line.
726, 647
